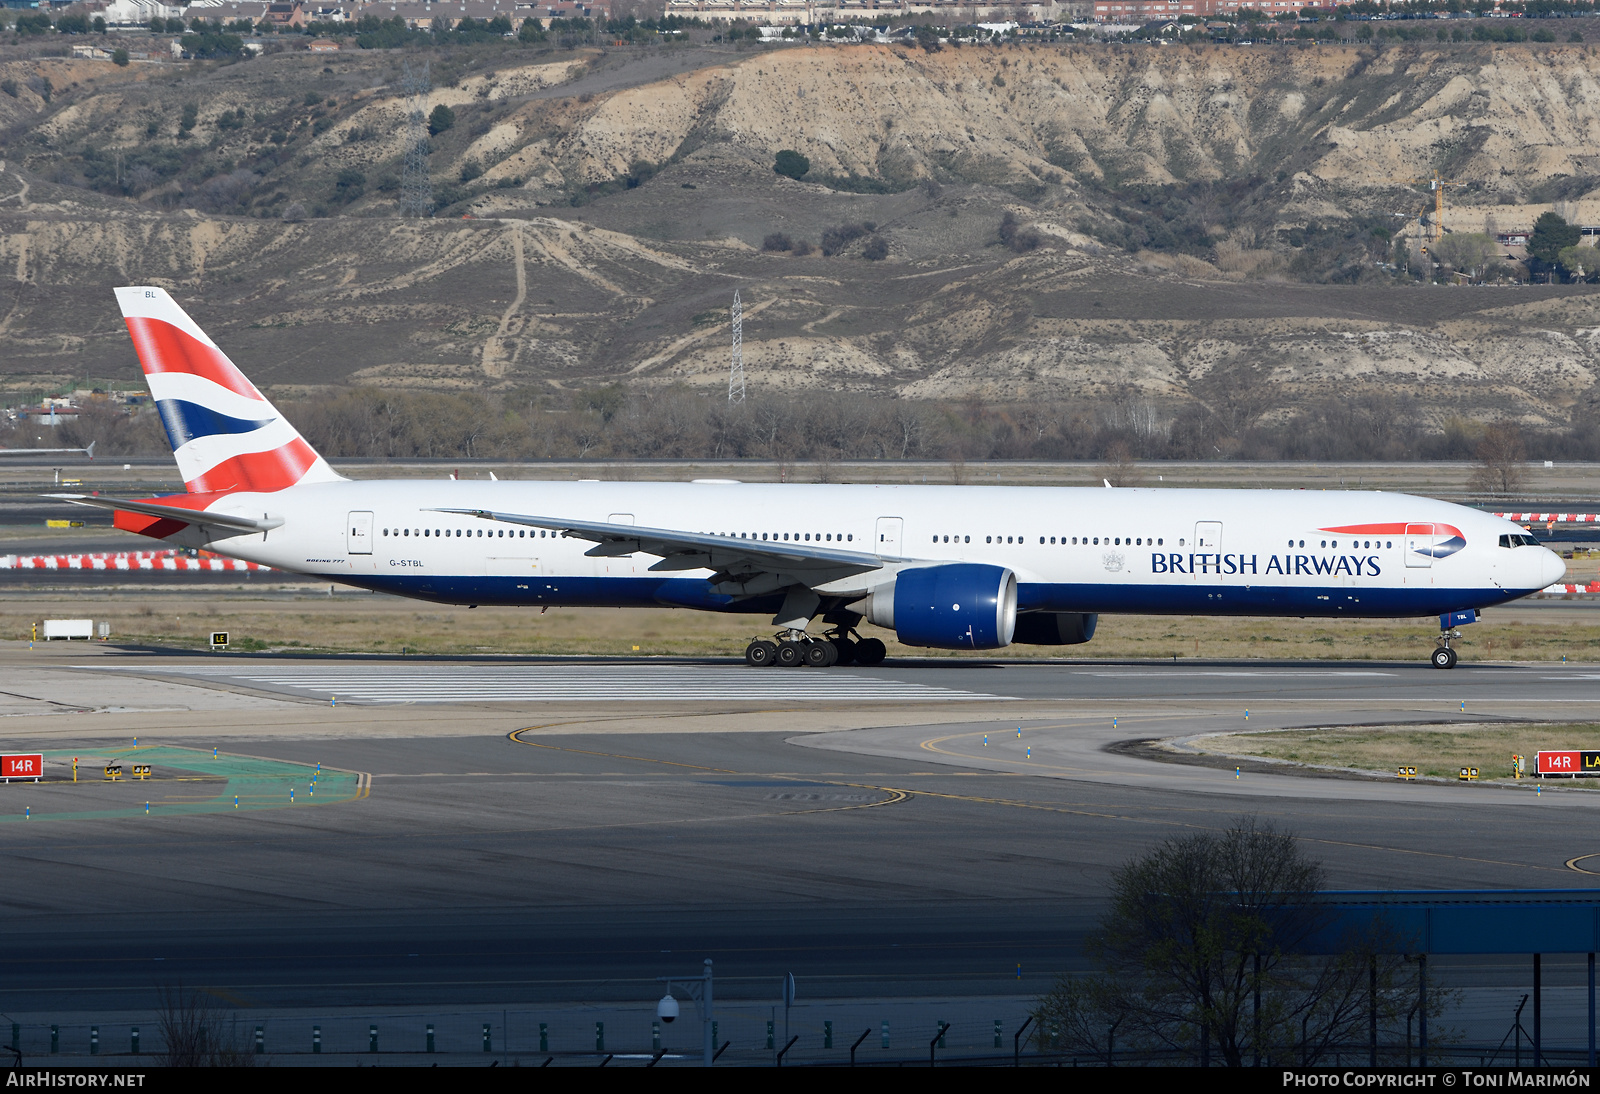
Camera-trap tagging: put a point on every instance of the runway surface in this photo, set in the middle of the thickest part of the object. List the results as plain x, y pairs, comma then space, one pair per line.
1333, 685
479, 683
557, 834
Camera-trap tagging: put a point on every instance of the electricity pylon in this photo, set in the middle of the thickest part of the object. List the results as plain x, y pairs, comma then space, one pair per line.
416, 188
736, 374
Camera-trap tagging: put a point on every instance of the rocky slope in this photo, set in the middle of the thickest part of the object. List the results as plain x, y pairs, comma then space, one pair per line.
614, 213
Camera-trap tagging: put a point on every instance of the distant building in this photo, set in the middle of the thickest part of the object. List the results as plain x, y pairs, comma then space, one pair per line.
54, 412
1512, 239
137, 13
1143, 11
420, 14
823, 12
323, 45
229, 11
287, 16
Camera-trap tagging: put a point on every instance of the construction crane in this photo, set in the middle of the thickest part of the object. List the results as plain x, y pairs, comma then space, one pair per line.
1437, 185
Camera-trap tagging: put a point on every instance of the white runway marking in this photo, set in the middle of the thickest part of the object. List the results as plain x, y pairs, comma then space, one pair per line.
552, 683
1274, 674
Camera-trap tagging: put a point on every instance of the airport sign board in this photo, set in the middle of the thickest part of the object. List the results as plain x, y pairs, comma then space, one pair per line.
22, 767
1569, 762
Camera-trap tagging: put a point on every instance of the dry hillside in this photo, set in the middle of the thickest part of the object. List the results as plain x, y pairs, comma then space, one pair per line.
1211, 220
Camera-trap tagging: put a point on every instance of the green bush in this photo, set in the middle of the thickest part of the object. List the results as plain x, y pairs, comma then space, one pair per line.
349, 185
374, 33
212, 44
791, 164
441, 119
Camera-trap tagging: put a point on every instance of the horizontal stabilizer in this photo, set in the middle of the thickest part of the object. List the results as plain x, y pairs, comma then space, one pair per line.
230, 521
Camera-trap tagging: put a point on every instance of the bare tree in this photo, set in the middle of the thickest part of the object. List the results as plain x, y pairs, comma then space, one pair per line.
1119, 468
1502, 455
195, 1032
1198, 929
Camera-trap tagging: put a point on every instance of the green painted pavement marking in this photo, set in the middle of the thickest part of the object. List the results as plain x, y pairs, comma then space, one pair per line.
257, 783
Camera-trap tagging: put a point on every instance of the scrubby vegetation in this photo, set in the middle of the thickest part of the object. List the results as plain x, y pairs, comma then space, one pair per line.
616, 421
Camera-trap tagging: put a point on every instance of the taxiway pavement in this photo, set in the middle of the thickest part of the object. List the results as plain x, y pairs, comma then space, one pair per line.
568, 842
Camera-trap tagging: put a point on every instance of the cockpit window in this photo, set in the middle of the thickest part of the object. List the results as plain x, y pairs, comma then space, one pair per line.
1518, 541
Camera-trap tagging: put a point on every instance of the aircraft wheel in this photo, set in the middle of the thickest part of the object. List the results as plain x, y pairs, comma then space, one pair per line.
870, 651
760, 653
1444, 658
819, 655
790, 654
847, 650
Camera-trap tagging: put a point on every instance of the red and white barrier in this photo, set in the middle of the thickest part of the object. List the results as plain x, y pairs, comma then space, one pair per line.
170, 561
1561, 590
1546, 518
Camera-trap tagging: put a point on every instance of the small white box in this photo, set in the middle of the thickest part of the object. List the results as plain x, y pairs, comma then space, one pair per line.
68, 629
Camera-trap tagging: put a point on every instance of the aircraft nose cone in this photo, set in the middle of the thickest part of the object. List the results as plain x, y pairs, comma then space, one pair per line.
1551, 568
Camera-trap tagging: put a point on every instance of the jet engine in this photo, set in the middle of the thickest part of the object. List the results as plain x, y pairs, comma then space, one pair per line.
959, 606
1055, 628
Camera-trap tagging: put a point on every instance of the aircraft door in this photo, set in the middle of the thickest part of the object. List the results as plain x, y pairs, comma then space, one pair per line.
358, 534
889, 531
1419, 545
1207, 552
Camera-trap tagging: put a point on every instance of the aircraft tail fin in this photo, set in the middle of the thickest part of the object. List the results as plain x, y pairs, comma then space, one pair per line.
225, 435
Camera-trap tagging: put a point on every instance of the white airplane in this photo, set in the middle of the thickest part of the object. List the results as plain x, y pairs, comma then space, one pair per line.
944, 567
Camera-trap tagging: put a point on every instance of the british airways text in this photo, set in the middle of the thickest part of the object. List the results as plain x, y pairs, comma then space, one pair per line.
1288, 565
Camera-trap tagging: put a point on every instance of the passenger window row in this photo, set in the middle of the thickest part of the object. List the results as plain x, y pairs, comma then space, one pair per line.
1131, 541
1333, 543
493, 533
801, 537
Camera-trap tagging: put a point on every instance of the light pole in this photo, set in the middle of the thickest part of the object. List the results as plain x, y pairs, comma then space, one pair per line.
697, 988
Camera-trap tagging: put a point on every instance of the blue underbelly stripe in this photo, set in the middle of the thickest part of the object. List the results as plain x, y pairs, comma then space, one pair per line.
696, 593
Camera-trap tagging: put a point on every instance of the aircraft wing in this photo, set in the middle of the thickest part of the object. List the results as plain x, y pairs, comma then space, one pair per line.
740, 566
232, 522
48, 451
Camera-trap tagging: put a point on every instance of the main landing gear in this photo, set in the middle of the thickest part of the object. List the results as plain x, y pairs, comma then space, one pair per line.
1444, 657
794, 648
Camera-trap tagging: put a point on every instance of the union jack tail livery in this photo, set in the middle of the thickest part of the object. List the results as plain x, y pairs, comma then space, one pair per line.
226, 436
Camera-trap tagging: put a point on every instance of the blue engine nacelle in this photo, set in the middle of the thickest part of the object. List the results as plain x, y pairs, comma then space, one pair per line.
1055, 628
960, 606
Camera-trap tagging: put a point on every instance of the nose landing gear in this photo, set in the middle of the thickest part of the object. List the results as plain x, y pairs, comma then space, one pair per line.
1444, 657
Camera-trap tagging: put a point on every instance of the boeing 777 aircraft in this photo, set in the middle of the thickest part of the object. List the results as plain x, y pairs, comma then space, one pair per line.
944, 567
